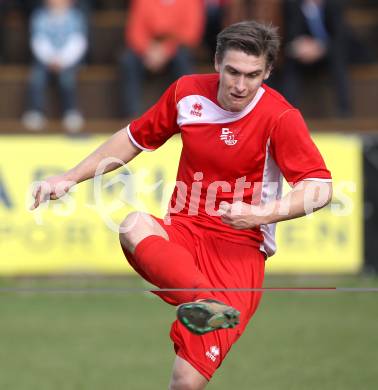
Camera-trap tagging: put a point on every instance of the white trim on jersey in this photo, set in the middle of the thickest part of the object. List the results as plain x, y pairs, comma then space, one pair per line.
132, 139
271, 190
209, 111
317, 179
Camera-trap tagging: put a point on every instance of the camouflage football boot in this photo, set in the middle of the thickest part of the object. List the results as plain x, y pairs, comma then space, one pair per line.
207, 315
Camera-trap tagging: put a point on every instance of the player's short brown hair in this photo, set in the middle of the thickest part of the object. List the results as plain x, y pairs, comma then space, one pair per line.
251, 37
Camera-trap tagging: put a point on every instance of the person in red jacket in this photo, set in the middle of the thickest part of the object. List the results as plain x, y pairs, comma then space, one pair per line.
158, 34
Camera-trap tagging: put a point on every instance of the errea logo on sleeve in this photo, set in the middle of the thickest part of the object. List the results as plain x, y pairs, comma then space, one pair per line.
196, 109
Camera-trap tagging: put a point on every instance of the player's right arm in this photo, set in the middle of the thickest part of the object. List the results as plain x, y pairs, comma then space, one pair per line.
148, 132
119, 147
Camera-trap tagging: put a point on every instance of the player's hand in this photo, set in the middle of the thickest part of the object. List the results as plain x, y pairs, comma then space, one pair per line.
156, 57
55, 67
307, 49
240, 215
50, 189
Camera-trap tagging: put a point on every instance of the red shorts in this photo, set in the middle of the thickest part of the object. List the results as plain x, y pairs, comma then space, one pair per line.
227, 265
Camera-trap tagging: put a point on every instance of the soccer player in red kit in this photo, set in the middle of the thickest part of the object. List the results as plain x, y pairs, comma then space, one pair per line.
239, 138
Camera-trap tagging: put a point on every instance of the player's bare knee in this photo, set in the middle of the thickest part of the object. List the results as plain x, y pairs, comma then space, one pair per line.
184, 383
128, 230
136, 227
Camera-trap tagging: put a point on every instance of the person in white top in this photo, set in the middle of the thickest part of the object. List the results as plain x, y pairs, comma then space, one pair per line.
58, 42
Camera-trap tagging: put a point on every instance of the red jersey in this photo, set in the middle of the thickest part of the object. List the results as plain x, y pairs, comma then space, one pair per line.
229, 156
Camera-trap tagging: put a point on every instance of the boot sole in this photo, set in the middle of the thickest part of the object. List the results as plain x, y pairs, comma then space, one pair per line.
214, 320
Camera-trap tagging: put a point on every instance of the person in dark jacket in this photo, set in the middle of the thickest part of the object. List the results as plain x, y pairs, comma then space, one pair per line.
314, 38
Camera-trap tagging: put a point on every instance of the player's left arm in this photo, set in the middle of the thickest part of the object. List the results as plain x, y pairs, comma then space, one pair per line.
301, 163
304, 198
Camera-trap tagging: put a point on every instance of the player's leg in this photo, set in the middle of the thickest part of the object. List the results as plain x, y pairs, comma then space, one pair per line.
67, 88
186, 377
162, 261
136, 227
233, 266
132, 76
34, 117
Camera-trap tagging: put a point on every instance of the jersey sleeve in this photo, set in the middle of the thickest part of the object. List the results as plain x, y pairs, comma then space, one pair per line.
295, 152
156, 125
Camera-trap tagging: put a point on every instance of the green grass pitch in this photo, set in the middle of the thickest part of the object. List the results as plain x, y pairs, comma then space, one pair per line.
117, 340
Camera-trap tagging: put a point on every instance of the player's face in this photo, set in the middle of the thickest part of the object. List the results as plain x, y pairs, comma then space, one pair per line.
240, 76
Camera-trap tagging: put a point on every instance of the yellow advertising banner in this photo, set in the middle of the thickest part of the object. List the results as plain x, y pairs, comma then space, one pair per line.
330, 240
79, 232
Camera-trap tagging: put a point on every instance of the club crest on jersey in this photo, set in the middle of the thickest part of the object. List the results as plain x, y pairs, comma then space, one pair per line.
196, 109
228, 137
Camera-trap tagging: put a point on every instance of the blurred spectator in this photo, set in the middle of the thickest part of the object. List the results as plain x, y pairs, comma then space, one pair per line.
158, 34
2, 27
315, 38
215, 18
58, 43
